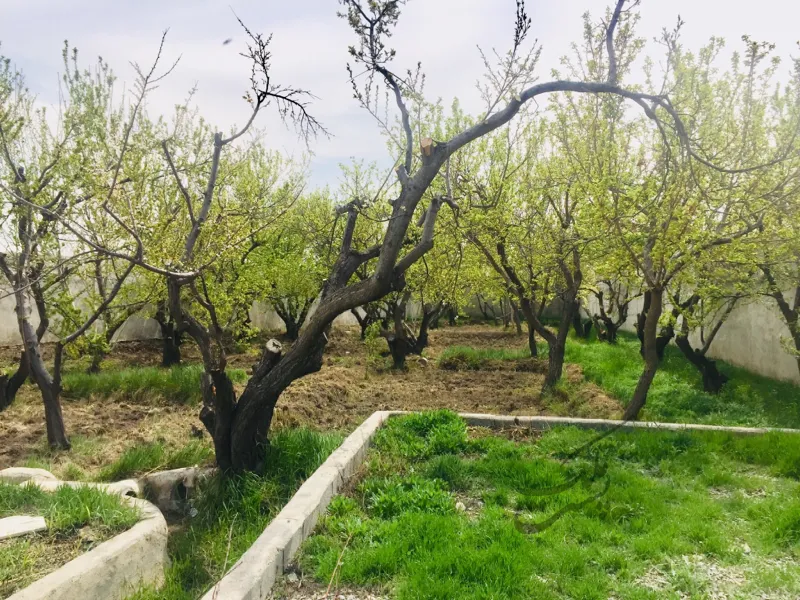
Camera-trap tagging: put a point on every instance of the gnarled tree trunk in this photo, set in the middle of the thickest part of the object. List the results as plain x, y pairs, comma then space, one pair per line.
647, 330
664, 336
171, 338
713, 380
400, 340
582, 328
49, 388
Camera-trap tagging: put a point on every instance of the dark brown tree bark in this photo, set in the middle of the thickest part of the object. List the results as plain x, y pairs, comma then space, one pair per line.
452, 315
650, 349
171, 338
606, 326
400, 339
49, 388
788, 307
582, 328
713, 380
664, 336
10, 384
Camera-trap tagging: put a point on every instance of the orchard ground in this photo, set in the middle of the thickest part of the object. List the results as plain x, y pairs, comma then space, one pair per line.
134, 417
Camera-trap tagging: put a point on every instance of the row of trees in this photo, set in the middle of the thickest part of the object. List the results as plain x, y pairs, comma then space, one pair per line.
683, 190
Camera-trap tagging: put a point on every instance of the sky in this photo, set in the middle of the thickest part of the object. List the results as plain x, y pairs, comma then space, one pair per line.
310, 51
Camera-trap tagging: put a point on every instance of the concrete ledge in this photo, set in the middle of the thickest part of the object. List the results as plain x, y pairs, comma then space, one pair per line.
545, 423
117, 567
253, 575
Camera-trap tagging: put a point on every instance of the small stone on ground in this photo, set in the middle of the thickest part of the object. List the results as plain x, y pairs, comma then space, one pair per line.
20, 525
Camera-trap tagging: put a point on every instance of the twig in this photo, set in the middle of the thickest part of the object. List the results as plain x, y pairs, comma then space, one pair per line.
336, 568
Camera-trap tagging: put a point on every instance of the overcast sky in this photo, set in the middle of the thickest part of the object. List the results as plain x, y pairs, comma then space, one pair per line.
310, 50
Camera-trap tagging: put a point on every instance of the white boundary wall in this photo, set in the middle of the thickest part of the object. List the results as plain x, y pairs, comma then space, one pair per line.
750, 337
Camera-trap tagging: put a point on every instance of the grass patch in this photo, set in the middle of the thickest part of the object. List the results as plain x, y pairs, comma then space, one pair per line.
238, 508
177, 384
681, 511
70, 513
677, 395
153, 456
465, 358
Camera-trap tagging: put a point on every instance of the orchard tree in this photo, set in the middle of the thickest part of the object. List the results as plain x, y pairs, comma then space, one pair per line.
51, 179
679, 205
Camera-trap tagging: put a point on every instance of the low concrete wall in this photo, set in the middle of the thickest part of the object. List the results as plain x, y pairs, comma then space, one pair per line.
117, 567
254, 574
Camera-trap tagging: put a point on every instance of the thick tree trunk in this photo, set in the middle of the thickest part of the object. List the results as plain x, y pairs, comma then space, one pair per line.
606, 329
217, 391
171, 346
713, 380
293, 313
54, 419
556, 342
664, 336
50, 389
557, 347
171, 339
648, 334
9, 385
582, 330
429, 314
252, 416
400, 340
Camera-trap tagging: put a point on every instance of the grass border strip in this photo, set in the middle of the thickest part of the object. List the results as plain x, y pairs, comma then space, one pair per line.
116, 567
254, 574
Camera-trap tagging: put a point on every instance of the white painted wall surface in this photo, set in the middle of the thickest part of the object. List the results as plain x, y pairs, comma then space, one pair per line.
749, 338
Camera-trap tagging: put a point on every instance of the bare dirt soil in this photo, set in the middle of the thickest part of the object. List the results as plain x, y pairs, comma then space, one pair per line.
340, 396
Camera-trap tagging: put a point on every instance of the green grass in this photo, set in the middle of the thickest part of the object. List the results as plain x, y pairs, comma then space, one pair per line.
67, 508
66, 512
677, 393
237, 509
177, 384
461, 358
151, 456
679, 510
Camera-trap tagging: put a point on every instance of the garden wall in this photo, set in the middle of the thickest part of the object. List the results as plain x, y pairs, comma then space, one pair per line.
750, 338
140, 328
